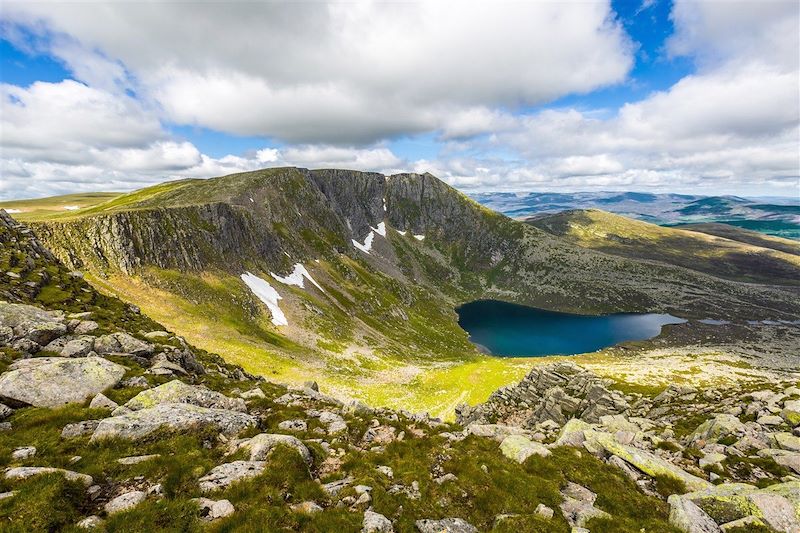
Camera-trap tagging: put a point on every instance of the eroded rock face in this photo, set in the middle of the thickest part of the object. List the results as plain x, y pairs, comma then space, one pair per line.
554, 392
55, 381
176, 416
177, 391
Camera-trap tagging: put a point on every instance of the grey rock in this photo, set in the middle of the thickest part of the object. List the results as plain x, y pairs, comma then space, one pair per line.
121, 342
78, 429
555, 392
34, 324
213, 509
25, 472
136, 459
519, 448
101, 401
90, 522
177, 391
55, 381
335, 487
293, 425
687, 516
544, 511
25, 452
445, 525
79, 347
225, 474
176, 416
85, 326
5, 411
262, 445
124, 502
376, 523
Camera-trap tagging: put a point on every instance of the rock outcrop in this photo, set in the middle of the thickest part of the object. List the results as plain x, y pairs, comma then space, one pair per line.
174, 416
55, 381
556, 392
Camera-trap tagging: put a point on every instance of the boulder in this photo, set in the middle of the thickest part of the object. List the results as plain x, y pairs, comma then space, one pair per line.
688, 517
121, 342
90, 522
649, 463
101, 401
79, 347
519, 448
176, 416
55, 381
376, 523
212, 510
572, 433
787, 441
718, 427
24, 472
85, 326
263, 444
5, 411
25, 452
31, 323
445, 525
225, 474
124, 502
177, 391
497, 432
293, 425
578, 505
78, 429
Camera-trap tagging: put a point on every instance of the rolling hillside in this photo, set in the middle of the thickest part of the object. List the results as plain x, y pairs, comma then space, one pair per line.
352, 278
731, 253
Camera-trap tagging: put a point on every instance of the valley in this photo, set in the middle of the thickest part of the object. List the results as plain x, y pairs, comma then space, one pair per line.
391, 257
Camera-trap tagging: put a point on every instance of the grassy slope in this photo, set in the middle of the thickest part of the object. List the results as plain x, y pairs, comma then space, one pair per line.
385, 330
734, 233
55, 206
718, 256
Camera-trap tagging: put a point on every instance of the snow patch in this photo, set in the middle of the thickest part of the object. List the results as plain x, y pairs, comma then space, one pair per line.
419, 237
71, 207
381, 229
296, 277
401, 232
252, 201
13, 211
267, 294
367, 246
384, 205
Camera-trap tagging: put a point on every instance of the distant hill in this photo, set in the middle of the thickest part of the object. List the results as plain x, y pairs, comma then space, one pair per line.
734, 255
773, 216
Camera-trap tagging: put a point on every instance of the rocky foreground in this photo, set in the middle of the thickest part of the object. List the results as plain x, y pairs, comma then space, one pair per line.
107, 422
133, 430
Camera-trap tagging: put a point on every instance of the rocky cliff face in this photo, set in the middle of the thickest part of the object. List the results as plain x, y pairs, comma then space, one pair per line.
261, 219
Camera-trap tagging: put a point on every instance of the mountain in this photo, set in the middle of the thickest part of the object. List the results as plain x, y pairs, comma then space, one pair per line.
772, 216
110, 421
728, 258
383, 262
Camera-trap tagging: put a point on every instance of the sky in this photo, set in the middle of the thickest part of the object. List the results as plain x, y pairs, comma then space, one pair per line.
695, 96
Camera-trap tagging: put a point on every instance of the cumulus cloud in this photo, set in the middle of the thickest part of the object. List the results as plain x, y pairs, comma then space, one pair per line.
331, 84
339, 73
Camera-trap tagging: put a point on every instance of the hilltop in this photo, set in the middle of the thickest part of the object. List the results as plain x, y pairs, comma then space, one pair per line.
731, 253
